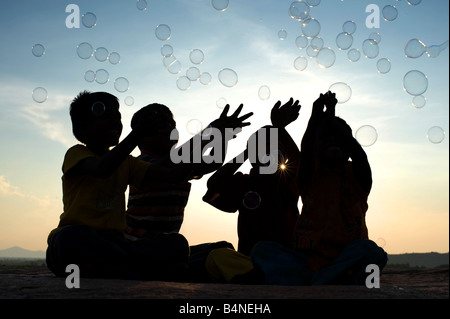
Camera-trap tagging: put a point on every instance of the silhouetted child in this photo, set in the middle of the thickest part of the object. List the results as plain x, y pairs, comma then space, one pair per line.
331, 233
266, 199
157, 208
90, 232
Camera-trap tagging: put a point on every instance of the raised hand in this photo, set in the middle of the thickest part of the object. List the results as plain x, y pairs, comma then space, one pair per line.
233, 121
283, 115
330, 103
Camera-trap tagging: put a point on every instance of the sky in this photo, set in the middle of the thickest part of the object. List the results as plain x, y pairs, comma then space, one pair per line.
409, 202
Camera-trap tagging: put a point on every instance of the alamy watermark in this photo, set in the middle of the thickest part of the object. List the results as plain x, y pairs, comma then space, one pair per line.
373, 19
73, 19
73, 279
373, 279
262, 148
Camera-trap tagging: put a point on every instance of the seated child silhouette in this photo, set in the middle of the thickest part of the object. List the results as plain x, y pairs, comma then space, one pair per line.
266, 202
157, 208
332, 245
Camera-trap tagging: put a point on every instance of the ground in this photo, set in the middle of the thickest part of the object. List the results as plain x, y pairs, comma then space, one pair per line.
36, 282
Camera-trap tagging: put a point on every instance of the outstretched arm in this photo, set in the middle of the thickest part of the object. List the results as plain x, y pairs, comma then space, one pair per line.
306, 166
219, 185
281, 116
226, 128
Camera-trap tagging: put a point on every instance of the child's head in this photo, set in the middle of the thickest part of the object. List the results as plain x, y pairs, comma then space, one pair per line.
331, 145
160, 142
96, 118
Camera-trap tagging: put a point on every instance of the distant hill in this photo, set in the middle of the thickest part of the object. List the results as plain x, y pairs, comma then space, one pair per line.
427, 260
18, 252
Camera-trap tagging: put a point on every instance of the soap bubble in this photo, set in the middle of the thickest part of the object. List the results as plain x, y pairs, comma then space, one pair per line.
414, 2
89, 76
383, 65
299, 10
129, 100
342, 90
141, 5
349, 27
166, 50
163, 32
311, 28
282, 34
251, 200
205, 78
168, 60
264, 92
39, 95
196, 56
375, 36
84, 50
436, 135
101, 54
183, 83
175, 67
326, 57
193, 73
300, 63
89, 20
228, 77
415, 82
313, 3
370, 48
419, 101
390, 13
344, 40
366, 135
194, 126
221, 103
317, 43
415, 48
220, 5
433, 51
301, 42
311, 52
354, 55
101, 76
38, 50
114, 58
98, 108
121, 84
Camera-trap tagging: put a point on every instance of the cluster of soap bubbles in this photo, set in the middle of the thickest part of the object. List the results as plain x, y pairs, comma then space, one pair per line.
415, 82
415, 48
228, 77
101, 76
39, 94
85, 51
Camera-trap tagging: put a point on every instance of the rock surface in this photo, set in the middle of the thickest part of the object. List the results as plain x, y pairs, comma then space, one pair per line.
395, 284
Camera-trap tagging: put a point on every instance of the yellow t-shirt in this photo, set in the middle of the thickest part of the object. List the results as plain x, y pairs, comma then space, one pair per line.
97, 202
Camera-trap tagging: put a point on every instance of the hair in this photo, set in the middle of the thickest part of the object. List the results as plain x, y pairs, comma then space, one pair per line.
81, 110
153, 108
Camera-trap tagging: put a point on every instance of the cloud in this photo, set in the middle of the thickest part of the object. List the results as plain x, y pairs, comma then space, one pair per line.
8, 189
50, 119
